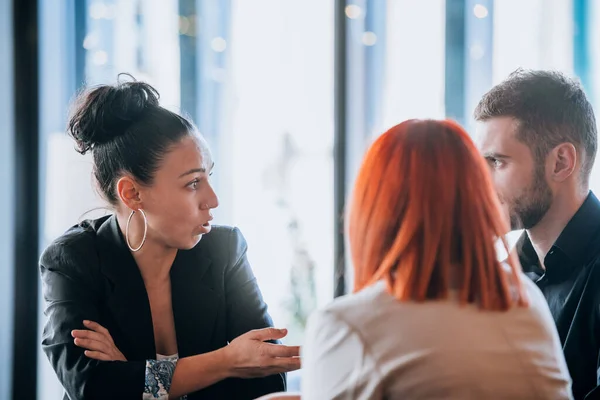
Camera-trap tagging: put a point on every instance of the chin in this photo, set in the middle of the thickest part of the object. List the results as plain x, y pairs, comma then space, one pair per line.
195, 241
188, 245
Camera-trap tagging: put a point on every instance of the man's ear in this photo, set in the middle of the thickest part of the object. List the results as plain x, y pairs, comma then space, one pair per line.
563, 161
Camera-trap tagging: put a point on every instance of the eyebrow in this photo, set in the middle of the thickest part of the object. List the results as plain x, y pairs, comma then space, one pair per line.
495, 155
194, 170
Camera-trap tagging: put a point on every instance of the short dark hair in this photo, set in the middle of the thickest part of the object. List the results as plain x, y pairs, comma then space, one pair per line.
126, 130
550, 108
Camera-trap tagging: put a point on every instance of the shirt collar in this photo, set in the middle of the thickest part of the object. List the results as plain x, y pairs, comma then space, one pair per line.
571, 244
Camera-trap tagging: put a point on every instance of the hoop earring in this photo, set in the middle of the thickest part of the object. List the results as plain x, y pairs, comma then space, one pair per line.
145, 230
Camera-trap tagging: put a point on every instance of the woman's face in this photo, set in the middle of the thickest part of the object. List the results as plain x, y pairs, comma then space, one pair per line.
178, 204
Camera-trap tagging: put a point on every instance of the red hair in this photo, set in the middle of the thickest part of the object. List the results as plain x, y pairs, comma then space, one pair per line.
424, 217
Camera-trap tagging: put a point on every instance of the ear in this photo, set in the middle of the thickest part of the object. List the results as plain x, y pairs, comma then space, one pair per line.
563, 161
128, 192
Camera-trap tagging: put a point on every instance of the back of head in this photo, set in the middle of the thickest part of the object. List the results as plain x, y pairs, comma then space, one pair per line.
550, 108
126, 130
424, 217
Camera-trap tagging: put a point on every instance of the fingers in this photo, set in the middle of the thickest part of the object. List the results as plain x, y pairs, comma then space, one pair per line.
288, 364
279, 350
91, 344
97, 341
267, 334
85, 334
93, 341
278, 366
97, 328
97, 355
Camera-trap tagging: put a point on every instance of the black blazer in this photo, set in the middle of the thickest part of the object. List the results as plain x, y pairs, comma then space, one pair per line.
89, 273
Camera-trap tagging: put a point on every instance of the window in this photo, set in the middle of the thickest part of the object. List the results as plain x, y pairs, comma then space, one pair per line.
534, 34
414, 69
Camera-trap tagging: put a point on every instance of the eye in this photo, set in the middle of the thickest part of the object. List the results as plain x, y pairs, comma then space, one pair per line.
497, 163
193, 184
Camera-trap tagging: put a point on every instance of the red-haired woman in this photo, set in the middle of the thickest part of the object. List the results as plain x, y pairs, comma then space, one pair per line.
434, 314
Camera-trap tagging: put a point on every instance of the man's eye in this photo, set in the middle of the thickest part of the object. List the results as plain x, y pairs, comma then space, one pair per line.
495, 163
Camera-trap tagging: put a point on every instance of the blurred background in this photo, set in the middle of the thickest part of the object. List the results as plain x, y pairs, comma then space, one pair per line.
288, 95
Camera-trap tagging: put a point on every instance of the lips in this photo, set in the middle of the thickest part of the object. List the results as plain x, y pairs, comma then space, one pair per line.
205, 227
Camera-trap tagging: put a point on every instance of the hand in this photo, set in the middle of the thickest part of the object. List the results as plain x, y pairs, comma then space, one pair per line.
250, 357
98, 343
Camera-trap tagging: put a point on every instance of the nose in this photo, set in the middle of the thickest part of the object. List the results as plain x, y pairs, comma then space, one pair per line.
215, 203
212, 200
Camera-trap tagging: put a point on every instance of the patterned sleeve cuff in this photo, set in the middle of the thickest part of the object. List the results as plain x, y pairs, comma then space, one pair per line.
159, 374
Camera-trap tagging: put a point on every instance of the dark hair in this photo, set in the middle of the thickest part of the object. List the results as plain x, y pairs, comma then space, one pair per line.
550, 109
126, 130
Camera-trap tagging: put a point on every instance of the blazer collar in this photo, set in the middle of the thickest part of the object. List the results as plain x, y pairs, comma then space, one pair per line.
194, 297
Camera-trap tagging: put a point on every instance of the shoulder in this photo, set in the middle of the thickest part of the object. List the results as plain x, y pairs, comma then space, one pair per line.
594, 258
341, 336
347, 305
531, 288
592, 277
537, 312
357, 309
534, 295
76, 244
220, 237
224, 249
328, 328
224, 243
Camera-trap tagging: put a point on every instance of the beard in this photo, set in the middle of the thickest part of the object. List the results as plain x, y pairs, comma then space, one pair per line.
527, 210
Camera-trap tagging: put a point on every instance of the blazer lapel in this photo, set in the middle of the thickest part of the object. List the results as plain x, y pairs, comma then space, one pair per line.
195, 302
127, 299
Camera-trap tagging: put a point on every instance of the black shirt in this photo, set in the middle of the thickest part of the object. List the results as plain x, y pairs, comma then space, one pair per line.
571, 285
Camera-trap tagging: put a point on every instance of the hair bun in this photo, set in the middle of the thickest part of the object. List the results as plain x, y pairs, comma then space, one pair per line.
106, 112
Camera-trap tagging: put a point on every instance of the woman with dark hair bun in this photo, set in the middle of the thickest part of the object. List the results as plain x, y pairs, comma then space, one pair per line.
137, 305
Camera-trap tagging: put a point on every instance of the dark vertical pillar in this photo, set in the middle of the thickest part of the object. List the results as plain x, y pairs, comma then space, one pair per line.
339, 168
26, 229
